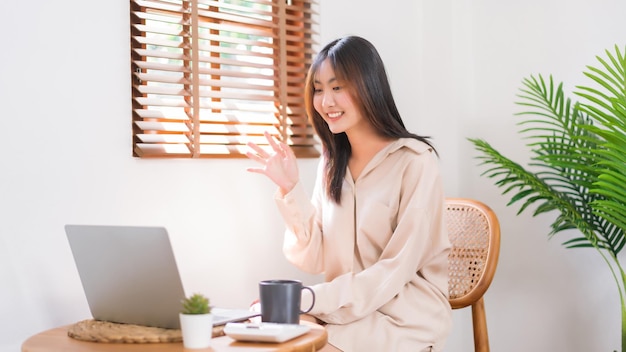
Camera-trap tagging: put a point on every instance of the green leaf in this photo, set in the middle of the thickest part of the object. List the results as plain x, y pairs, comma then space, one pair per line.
579, 165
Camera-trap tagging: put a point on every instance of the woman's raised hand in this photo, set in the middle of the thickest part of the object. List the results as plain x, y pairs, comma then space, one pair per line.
279, 165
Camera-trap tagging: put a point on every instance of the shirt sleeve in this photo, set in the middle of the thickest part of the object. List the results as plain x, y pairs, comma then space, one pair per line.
303, 244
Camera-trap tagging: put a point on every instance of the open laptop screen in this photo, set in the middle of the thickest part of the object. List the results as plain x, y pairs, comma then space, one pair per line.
128, 273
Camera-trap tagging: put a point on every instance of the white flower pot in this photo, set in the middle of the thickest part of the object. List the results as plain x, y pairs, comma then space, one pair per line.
196, 329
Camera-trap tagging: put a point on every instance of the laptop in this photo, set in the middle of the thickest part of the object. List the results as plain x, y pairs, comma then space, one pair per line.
129, 275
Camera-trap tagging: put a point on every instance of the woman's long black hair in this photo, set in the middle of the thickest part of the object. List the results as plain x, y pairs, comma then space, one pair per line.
357, 63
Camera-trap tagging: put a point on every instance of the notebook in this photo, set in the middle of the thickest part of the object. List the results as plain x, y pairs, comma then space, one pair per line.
129, 275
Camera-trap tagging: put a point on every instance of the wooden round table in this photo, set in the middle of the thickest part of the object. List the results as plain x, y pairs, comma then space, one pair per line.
58, 340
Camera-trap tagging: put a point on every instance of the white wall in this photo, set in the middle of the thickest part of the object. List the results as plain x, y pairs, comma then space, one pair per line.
455, 68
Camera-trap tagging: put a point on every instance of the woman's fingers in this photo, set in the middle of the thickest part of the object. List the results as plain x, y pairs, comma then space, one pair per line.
260, 152
287, 151
272, 142
279, 163
257, 170
262, 156
255, 157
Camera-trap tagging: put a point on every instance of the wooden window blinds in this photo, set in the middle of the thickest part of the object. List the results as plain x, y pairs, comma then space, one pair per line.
209, 76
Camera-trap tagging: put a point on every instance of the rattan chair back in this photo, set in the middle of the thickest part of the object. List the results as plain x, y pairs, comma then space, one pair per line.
474, 231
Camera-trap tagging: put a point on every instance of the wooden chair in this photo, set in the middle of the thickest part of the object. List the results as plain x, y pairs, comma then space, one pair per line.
474, 232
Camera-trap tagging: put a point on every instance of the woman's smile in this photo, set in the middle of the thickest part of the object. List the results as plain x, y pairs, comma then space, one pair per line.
334, 115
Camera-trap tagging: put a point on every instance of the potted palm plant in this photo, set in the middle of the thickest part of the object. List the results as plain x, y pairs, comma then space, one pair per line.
196, 321
578, 161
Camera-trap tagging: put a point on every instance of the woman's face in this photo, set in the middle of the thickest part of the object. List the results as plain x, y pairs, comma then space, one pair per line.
332, 100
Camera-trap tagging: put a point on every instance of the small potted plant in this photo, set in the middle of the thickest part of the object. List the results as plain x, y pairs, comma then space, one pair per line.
196, 321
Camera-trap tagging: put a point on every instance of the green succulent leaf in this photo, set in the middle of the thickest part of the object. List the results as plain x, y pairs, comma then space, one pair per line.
196, 304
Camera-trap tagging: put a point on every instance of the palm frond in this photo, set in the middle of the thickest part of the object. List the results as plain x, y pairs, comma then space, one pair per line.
528, 189
563, 141
579, 154
607, 105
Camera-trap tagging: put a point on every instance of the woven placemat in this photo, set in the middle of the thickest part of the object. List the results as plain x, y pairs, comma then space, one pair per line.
103, 331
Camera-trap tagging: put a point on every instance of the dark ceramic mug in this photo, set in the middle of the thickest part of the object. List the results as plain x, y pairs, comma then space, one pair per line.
280, 301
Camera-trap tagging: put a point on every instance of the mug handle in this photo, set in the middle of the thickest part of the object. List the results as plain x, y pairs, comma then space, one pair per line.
312, 301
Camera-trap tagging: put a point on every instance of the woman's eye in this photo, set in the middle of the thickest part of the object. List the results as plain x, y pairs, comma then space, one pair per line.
336, 88
316, 90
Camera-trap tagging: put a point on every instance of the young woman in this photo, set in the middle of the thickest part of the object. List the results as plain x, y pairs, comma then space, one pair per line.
375, 223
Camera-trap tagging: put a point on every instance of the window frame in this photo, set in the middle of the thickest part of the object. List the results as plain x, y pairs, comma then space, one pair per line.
170, 117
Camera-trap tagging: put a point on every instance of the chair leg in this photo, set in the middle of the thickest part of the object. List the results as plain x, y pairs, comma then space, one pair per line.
479, 320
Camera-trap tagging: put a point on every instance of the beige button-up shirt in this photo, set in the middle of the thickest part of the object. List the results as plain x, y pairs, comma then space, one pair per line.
383, 252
